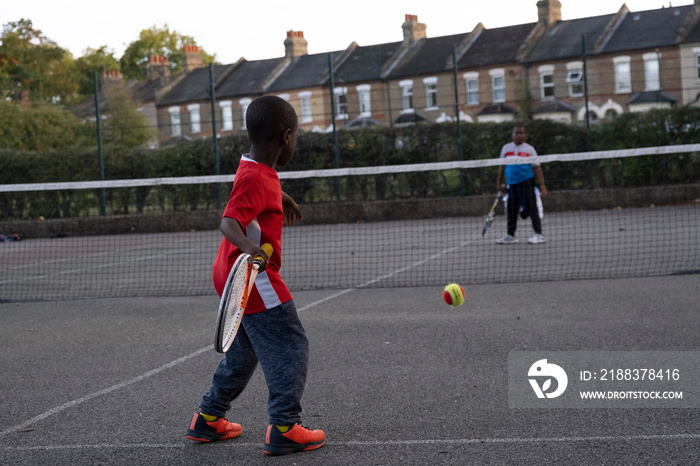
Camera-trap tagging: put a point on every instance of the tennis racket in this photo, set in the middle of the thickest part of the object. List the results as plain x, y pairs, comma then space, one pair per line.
490, 215
235, 297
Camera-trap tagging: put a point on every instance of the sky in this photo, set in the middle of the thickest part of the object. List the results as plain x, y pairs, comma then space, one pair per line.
256, 30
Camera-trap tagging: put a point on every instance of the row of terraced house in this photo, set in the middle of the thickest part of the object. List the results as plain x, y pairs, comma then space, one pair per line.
633, 61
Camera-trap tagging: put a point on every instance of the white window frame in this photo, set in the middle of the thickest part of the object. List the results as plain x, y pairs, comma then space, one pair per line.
244, 108
364, 98
406, 96
431, 102
175, 122
498, 85
547, 82
341, 103
574, 78
652, 71
305, 104
226, 115
195, 119
623, 75
473, 92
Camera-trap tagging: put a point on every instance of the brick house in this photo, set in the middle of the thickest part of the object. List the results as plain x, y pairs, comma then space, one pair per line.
689, 44
635, 61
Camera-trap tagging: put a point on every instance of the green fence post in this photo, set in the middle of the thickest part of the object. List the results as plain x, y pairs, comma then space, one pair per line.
588, 120
100, 155
336, 154
460, 153
585, 93
217, 162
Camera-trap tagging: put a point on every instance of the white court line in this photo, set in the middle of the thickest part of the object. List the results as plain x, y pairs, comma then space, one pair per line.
156, 371
327, 298
105, 391
91, 266
388, 443
388, 275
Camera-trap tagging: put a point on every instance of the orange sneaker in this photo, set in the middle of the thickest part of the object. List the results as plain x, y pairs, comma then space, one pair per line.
297, 438
202, 430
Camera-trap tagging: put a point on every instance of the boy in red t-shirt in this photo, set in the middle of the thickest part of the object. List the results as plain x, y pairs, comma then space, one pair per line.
270, 332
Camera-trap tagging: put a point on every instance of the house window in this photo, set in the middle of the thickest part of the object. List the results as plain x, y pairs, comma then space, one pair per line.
547, 86
574, 78
623, 76
244, 108
406, 95
365, 101
175, 128
498, 85
226, 115
195, 125
430, 93
341, 102
697, 64
546, 81
472, 80
305, 102
651, 71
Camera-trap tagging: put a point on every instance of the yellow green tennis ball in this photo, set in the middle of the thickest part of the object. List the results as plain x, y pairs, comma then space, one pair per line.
453, 294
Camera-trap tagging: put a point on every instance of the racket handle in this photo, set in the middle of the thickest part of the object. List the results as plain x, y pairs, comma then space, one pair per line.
258, 261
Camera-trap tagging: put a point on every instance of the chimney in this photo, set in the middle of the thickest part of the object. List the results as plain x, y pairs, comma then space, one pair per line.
158, 67
295, 45
413, 30
111, 79
191, 58
548, 12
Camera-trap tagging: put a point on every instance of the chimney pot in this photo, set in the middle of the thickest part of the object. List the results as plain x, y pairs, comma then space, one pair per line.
192, 59
158, 66
548, 11
295, 44
413, 30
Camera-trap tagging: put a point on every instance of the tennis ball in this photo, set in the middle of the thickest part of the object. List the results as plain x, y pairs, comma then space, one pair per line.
453, 294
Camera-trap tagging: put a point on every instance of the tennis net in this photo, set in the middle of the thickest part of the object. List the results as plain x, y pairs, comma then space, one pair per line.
611, 214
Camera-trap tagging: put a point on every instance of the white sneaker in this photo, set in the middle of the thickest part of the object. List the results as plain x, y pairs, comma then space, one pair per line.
537, 239
507, 239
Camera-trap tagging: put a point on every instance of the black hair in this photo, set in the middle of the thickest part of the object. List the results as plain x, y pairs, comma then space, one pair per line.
519, 124
267, 117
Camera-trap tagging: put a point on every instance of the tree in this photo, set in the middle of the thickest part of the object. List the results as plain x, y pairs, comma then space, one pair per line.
99, 60
31, 62
157, 41
41, 128
125, 126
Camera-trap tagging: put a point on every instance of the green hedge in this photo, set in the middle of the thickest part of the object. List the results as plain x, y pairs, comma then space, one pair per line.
365, 147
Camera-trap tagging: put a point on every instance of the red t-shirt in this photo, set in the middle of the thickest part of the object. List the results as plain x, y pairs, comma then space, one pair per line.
256, 204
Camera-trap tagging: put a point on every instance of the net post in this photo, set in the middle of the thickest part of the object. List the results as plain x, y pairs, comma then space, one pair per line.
100, 154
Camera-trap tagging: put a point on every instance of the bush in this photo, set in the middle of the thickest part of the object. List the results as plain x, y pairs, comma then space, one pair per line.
374, 146
41, 128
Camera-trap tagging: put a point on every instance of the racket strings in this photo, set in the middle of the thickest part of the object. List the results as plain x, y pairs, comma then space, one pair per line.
238, 289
